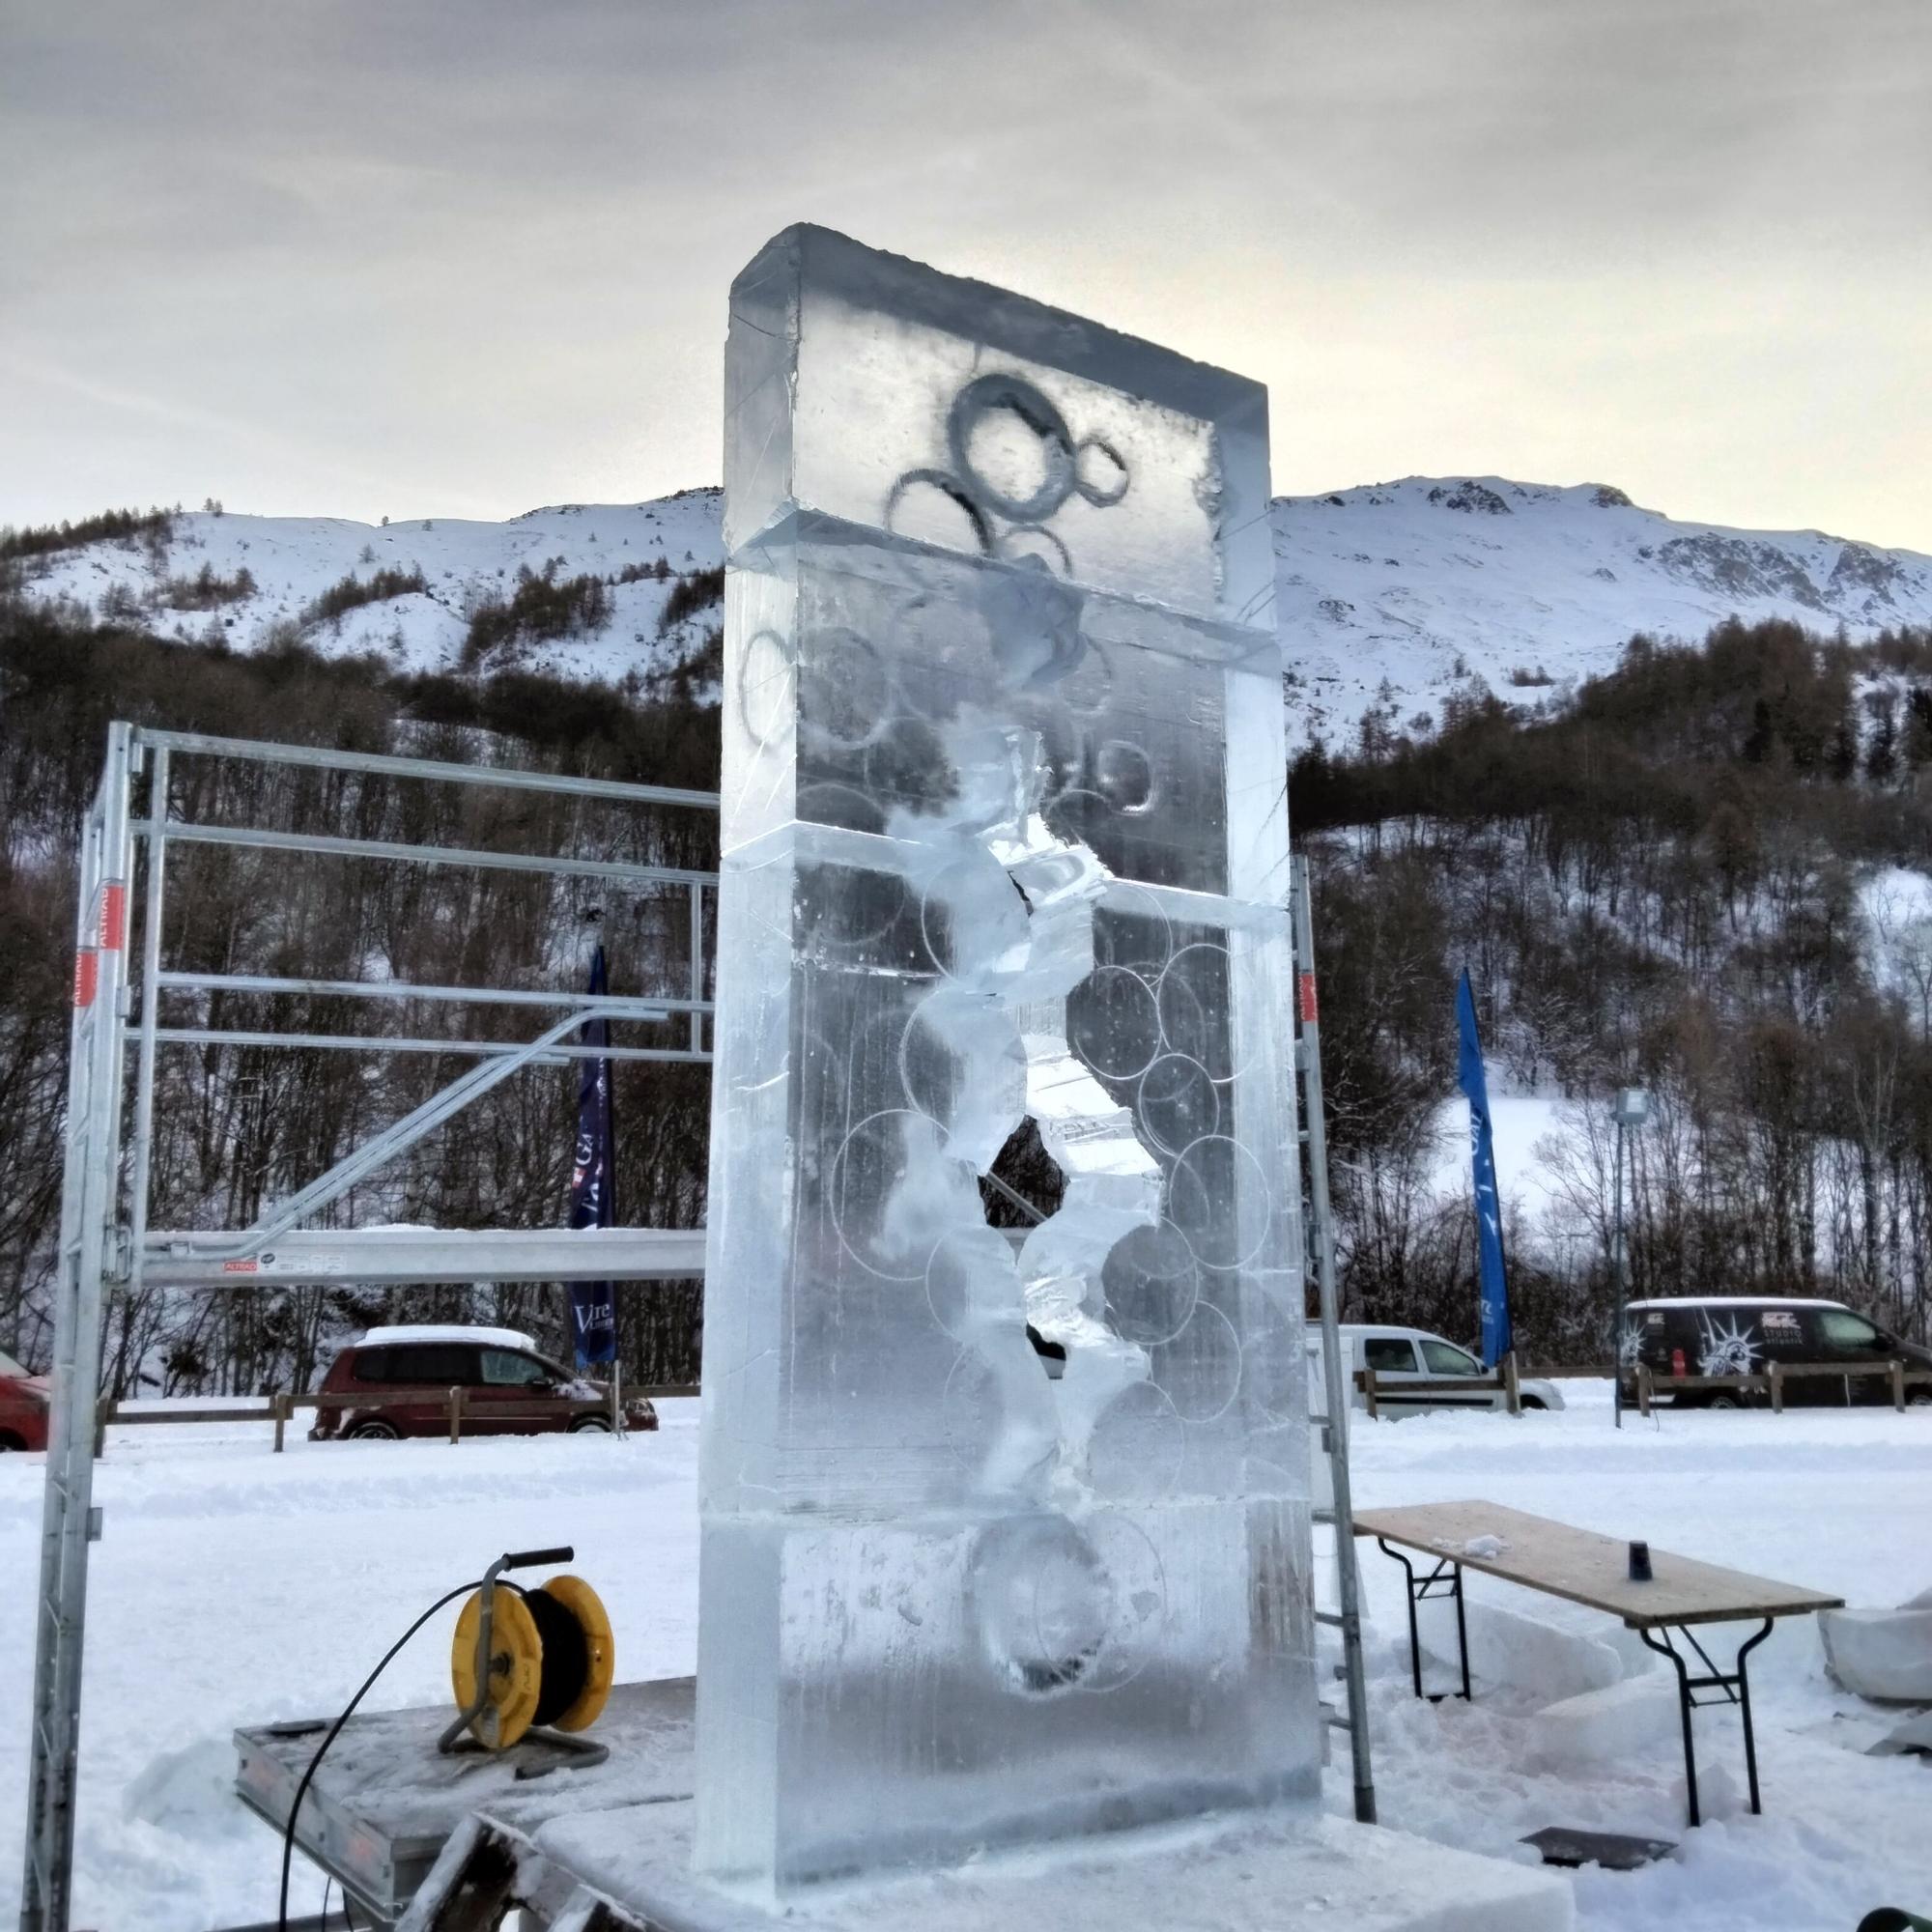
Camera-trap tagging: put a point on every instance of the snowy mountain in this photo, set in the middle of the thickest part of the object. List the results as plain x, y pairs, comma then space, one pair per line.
1422, 583
190, 584
1401, 581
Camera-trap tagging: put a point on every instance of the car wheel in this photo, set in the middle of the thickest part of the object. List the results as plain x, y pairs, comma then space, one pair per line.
591, 1425
1919, 1398
1534, 1402
373, 1430
1723, 1399
8, 1443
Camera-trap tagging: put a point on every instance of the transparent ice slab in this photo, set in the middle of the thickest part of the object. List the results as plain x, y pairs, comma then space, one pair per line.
1005, 850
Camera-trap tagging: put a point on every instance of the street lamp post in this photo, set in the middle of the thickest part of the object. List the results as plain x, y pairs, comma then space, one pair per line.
1631, 1109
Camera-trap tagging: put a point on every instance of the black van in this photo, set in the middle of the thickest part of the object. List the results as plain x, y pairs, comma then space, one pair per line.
1742, 1335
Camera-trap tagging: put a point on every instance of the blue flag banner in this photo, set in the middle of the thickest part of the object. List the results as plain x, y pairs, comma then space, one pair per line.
593, 1304
1495, 1309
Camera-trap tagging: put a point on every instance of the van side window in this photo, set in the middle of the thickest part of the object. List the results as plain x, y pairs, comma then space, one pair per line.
1444, 1358
1840, 1329
419, 1365
1389, 1354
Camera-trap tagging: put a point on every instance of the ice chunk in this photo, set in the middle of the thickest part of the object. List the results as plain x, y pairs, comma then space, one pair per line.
1528, 1652
1005, 842
1625, 1722
1880, 1653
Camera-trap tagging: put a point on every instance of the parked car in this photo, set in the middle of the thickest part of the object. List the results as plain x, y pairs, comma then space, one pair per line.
496, 1367
1742, 1335
23, 1407
1401, 1357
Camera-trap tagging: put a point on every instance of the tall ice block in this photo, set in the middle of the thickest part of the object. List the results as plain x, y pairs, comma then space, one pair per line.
1005, 1535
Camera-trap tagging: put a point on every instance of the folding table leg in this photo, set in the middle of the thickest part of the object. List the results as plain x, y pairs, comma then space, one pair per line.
1686, 1704
1444, 1580
1744, 1705
1735, 1688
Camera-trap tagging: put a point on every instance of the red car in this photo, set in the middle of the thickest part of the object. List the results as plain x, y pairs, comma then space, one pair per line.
23, 1407
508, 1388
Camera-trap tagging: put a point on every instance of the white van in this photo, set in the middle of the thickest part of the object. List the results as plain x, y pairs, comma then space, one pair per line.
1399, 1355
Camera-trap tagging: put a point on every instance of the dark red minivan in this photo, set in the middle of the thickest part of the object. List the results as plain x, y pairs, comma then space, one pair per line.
23, 1407
508, 1388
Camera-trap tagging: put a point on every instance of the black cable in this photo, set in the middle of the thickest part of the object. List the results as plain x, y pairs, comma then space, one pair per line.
301, 1789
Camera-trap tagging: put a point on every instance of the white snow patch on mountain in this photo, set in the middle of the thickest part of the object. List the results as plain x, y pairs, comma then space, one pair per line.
292, 561
1407, 581
1423, 584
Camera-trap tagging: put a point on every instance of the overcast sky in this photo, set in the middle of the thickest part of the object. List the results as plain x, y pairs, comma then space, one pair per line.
368, 257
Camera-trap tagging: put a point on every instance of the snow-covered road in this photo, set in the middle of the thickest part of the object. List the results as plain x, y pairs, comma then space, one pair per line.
236, 1586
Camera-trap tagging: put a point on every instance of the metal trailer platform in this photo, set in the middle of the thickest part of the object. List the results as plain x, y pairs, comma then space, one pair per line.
1276, 1869
385, 1800
473, 1843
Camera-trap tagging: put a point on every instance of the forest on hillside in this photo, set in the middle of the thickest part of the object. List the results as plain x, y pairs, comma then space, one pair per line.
1661, 878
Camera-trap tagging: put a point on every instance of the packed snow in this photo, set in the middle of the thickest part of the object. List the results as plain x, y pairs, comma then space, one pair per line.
235, 1586
1424, 583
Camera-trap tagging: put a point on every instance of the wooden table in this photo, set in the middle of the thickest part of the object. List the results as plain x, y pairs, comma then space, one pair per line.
1585, 1567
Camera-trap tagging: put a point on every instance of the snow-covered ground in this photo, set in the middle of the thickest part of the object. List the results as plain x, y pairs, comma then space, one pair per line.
233, 1585
1423, 584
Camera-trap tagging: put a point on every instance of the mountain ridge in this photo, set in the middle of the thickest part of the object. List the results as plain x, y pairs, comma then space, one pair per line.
1401, 592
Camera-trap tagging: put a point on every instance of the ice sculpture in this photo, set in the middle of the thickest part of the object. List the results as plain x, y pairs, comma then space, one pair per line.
1005, 840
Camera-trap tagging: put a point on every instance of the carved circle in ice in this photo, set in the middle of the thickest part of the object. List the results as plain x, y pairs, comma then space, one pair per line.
1042, 1602
1152, 1282
976, 441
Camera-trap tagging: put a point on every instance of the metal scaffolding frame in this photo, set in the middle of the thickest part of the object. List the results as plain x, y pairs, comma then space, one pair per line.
106, 1242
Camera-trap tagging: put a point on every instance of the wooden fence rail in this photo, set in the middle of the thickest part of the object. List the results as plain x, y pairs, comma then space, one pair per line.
1771, 1380
1505, 1383
457, 1405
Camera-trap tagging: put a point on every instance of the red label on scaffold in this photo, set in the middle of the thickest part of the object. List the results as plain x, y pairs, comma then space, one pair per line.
113, 915
86, 976
1309, 1015
240, 1268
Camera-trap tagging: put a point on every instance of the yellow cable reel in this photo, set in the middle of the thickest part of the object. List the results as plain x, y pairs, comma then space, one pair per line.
600, 1666
552, 1662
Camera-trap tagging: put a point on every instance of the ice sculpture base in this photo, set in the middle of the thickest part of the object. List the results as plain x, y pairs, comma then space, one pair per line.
1248, 1872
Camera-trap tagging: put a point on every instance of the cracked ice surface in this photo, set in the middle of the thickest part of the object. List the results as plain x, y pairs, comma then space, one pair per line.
1003, 818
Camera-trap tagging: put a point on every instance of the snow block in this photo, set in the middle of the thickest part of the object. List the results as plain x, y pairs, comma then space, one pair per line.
1885, 1655
1269, 1871
1526, 1653
1620, 1723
